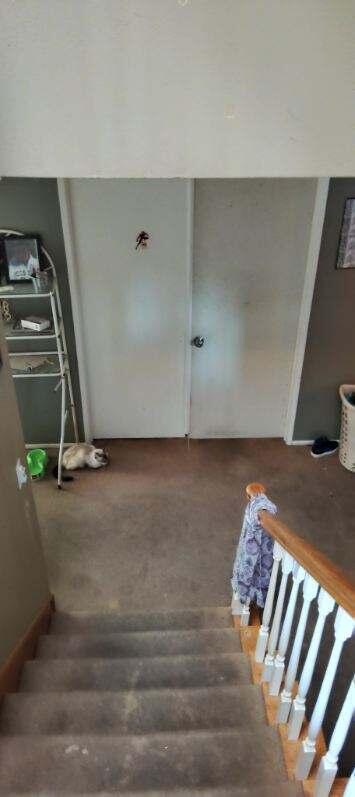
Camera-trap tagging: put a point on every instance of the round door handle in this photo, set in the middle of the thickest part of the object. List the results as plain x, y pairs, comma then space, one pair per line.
198, 342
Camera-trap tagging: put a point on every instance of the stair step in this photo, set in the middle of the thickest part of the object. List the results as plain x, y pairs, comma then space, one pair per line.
161, 761
147, 643
130, 712
283, 790
184, 619
110, 674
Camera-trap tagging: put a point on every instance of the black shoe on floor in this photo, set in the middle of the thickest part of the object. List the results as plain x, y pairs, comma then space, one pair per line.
322, 447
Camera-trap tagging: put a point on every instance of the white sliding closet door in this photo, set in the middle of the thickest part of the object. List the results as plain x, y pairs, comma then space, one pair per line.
250, 247
134, 304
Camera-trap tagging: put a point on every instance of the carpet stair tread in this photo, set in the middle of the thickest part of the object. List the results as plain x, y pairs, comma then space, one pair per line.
132, 711
139, 673
112, 622
89, 763
147, 643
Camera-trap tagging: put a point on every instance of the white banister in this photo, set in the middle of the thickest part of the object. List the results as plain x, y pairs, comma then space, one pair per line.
343, 628
325, 606
350, 786
329, 764
279, 665
264, 628
286, 566
310, 589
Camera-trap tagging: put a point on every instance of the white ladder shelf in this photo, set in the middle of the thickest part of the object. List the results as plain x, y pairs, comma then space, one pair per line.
57, 334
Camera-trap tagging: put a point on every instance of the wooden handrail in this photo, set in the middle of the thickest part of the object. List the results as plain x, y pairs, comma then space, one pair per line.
327, 574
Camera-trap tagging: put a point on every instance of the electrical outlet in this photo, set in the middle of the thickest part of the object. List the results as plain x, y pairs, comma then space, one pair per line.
21, 474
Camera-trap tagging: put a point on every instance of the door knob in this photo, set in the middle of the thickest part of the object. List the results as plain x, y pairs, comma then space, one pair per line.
198, 342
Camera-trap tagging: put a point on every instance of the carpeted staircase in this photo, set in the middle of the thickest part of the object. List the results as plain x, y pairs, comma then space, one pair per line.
153, 704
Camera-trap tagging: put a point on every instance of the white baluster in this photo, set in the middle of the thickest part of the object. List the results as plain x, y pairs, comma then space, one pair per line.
245, 615
329, 764
279, 665
286, 566
241, 610
264, 628
310, 589
343, 626
236, 606
325, 606
350, 786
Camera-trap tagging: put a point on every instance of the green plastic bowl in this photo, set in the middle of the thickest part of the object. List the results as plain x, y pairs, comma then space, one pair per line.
36, 462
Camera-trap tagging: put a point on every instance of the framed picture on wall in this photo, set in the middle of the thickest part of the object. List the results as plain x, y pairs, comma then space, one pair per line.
346, 251
22, 258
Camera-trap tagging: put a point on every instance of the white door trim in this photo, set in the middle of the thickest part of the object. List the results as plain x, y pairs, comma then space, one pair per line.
306, 304
69, 245
188, 325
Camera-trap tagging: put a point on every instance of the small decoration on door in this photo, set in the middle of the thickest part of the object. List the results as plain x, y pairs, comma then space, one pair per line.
142, 240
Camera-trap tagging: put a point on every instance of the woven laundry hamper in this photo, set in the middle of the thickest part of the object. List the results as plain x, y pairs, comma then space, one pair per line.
347, 432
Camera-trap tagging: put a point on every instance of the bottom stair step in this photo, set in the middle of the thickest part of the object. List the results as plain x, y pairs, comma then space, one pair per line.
87, 764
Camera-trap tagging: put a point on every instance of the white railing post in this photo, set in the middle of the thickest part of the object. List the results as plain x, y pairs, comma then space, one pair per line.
350, 786
286, 567
343, 627
279, 665
325, 606
329, 764
245, 614
241, 610
264, 628
236, 606
310, 589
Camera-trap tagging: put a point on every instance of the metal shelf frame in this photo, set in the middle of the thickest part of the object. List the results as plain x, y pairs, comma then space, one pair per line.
63, 374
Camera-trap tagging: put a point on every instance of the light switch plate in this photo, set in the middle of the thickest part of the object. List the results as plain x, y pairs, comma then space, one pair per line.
21, 474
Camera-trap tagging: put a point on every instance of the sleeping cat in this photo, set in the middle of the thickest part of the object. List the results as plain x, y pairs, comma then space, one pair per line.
82, 455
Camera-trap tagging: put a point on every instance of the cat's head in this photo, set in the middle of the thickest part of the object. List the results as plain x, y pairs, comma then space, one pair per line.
100, 457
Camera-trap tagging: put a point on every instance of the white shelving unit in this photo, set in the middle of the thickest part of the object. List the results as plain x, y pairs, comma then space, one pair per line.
57, 362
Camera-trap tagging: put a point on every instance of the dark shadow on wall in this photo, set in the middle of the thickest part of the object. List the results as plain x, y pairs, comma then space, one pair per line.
32, 205
330, 351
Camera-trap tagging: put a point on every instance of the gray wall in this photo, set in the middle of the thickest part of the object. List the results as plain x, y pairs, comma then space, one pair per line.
23, 581
330, 351
31, 205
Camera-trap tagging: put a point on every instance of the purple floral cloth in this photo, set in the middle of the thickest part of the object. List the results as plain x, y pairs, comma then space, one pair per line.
253, 560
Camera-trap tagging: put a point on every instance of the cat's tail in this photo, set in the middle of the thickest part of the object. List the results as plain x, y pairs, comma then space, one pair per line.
64, 478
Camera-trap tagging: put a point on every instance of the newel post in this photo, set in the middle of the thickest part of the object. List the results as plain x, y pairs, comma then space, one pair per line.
343, 628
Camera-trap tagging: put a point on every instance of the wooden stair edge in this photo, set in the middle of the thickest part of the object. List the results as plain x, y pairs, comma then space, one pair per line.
25, 649
248, 638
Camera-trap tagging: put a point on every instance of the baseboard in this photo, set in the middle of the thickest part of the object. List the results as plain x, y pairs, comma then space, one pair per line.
300, 442
25, 649
307, 442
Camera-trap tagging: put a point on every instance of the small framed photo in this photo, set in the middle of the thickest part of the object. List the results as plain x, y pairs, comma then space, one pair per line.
22, 258
346, 251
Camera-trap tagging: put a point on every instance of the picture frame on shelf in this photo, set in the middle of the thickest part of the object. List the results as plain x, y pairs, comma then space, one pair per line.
22, 258
346, 249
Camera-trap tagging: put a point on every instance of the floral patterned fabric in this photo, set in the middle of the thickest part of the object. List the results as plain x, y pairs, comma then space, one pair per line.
253, 560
